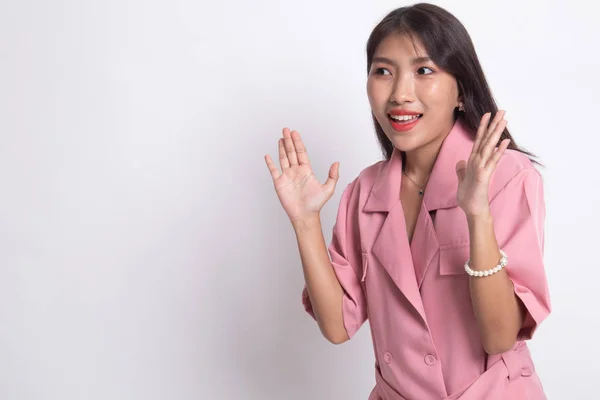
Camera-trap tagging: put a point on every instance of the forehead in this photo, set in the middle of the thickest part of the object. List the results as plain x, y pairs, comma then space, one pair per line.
400, 45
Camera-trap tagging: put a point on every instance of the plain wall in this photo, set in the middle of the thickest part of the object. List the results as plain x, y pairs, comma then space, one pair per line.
143, 251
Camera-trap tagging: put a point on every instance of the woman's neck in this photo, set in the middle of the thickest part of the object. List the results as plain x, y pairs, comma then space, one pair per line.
418, 163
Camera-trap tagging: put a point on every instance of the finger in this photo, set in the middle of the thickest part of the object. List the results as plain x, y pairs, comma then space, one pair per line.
498, 154
497, 118
486, 134
461, 170
272, 168
480, 132
300, 149
290, 150
334, 174
283, 160
491, 143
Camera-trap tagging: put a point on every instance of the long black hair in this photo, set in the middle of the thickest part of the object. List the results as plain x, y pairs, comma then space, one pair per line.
449, 45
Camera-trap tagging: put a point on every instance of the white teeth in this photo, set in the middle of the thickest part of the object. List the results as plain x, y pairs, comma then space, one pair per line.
403, 117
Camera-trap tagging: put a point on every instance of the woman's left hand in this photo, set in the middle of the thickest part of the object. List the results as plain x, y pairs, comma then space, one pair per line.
474, 175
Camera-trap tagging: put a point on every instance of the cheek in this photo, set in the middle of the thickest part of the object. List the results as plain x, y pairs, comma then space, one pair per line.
376, 93
436, 93
432, 92
370, 91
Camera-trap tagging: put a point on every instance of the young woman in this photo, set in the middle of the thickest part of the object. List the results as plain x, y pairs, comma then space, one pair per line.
440, 245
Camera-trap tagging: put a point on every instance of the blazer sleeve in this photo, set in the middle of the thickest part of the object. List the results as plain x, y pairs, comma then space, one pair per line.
519, 214
344, 252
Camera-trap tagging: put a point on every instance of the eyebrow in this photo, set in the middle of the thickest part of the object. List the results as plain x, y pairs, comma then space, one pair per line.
417, 60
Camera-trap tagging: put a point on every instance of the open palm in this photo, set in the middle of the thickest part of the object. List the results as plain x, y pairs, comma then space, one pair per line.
474, 174
299, 191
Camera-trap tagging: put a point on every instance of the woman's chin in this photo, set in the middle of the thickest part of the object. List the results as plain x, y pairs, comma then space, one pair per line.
405, 142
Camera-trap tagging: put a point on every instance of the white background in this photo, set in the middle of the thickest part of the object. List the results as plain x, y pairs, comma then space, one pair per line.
143, 251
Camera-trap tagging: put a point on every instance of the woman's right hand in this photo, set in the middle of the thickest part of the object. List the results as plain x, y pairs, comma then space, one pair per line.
300, 192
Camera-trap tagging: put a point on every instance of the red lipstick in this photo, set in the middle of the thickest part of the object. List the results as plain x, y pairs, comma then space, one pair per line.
404, 126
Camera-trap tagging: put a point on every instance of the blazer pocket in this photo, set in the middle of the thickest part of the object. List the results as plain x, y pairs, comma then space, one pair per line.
453, 258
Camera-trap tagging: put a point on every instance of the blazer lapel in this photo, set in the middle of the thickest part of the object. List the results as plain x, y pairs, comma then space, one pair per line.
442, 185
424, 245
440, 193
391, 246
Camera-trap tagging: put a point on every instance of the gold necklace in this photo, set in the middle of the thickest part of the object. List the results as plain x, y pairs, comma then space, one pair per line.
421, 188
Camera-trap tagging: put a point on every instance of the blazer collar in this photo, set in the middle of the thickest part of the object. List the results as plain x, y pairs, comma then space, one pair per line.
441, 188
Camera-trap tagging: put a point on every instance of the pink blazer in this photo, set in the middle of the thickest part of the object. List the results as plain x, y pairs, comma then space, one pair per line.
416, 296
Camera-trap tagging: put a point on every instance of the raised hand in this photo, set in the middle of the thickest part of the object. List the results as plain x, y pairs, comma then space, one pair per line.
299, 191
474, 175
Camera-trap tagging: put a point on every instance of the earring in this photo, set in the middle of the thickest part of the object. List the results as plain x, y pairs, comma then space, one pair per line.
461, 107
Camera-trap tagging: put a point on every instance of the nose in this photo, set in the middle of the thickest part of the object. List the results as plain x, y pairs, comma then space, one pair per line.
403, 90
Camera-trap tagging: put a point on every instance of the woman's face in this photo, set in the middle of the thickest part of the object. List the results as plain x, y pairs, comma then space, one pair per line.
402, 78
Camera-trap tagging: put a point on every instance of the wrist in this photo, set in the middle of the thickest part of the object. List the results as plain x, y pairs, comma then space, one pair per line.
483, 217
480, 226
306, 223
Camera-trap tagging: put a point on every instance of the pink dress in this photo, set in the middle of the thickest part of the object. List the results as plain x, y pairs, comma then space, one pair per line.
416, 296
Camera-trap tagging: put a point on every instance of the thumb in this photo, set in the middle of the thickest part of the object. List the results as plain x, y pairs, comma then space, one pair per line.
334, 175
461, 170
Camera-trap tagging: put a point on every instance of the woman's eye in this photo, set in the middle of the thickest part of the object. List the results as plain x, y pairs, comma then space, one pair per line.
379, 71
423, 69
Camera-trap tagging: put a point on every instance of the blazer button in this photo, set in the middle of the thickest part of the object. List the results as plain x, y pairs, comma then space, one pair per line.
387, 357
430, 359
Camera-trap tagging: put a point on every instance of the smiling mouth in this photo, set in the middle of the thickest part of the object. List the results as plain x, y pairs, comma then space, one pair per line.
404, 119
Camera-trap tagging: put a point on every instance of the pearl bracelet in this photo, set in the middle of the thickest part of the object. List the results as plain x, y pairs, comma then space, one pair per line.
487, 272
